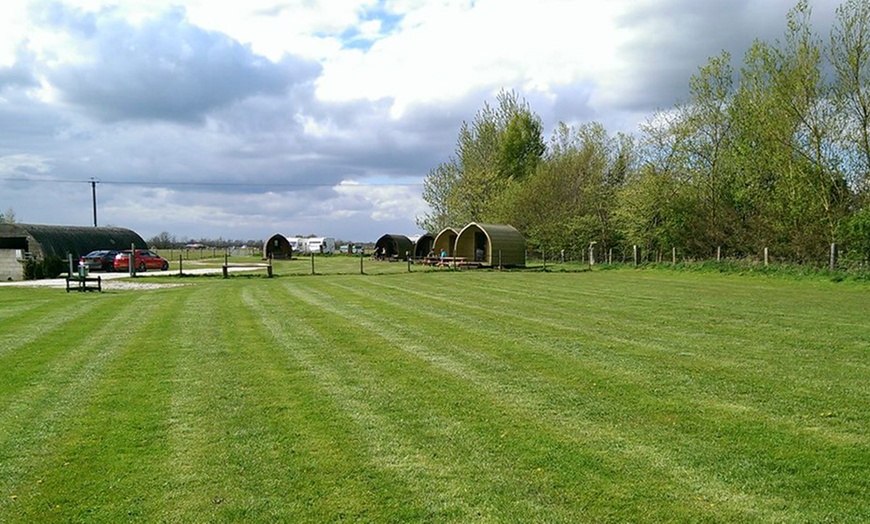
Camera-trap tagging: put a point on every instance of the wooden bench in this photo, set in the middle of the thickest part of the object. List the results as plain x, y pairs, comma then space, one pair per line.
80, 283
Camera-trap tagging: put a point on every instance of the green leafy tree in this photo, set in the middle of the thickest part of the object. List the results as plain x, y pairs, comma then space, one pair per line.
805, 98
849, 52
652, 210
709, 172
437, 188
500, 147
569, 201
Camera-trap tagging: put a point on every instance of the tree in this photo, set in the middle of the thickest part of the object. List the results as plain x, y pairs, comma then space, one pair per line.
707, 143
8, 217
805, 99
500, 147
437, 188
849, 53
569, 201
652, 210
163, 241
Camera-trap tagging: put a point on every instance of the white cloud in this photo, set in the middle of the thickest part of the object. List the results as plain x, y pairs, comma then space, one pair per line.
241, 119
447, 51
380, 202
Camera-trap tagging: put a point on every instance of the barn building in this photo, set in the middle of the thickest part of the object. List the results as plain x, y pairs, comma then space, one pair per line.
22, 242
491, 245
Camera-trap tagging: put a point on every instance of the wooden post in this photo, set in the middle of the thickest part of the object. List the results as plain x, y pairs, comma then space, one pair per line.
225, 269
361, 272
499, 260
832, 265
674, 256
544, 257
312, 263
636, 255
766, 258
132, 260
610, 256
718, 253
180, 263
408, 258
269, 267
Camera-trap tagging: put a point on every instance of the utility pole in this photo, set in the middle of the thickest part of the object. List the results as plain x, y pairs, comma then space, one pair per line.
94, 198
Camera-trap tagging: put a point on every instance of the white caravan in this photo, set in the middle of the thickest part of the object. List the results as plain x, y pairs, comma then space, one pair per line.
322, 245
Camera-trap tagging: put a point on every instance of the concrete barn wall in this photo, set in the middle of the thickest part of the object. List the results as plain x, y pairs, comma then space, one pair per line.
10, 268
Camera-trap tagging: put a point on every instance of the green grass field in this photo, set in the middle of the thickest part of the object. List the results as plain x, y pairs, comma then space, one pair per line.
438, 396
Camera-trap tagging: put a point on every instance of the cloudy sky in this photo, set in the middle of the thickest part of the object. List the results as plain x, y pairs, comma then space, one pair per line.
241, 119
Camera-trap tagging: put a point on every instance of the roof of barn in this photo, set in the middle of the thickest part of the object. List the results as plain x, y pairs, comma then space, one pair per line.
77, 240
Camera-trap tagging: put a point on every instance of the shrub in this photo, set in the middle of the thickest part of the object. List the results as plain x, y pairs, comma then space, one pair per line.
49, 267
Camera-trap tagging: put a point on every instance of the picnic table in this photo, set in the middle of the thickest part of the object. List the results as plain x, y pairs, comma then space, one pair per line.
445, 261
83, 283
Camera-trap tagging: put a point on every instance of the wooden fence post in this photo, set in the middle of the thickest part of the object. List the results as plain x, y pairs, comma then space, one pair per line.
766, 257
636, 255
833, 262
674, 256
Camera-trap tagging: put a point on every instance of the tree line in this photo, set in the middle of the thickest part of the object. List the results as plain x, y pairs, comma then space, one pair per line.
774, 154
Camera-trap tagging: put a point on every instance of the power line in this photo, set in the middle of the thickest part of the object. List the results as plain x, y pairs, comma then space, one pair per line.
206, 184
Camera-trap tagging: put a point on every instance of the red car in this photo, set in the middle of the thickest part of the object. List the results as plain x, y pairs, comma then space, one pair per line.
145, 260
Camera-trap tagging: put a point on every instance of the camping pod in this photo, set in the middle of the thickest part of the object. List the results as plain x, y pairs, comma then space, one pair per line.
491, 245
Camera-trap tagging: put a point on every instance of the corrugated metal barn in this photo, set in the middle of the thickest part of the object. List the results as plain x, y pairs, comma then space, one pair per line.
445, 241
278, 247
491, 244
20, 242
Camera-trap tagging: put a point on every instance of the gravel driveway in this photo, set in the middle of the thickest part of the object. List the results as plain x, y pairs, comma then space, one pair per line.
113, 281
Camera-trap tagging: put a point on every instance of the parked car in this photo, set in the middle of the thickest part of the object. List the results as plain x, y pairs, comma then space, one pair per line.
101, 259
145, 260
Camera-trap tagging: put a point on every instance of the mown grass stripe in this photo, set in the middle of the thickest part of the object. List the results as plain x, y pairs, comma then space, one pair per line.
372, 399
32, 323
526, 402
665, 353
109, 453
728, 370
799, 432
373, 489
36, 422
